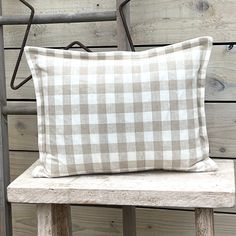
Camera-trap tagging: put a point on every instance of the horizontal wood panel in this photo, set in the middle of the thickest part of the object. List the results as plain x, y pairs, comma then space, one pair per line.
221, 126
23, 132
221, 75
12, 7
152, 22
90, 221
221, 79
221, 123
20, 161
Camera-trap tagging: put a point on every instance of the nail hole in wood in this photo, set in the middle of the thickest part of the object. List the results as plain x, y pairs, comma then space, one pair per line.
222, 149
202, 6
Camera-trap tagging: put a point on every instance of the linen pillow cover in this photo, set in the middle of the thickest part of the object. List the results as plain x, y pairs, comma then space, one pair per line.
121, 111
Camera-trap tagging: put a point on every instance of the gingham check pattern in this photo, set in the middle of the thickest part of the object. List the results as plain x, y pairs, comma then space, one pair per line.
121, 111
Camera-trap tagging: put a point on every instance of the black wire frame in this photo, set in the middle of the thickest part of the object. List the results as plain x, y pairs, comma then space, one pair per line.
13, 79
122, 15
12, 84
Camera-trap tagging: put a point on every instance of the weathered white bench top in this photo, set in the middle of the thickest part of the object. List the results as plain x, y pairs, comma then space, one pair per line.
156, 188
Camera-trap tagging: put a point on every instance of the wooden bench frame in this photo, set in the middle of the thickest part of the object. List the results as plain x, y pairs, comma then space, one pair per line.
53, 196
54, 216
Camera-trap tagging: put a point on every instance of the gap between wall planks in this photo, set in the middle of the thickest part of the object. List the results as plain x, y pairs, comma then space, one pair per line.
184, 19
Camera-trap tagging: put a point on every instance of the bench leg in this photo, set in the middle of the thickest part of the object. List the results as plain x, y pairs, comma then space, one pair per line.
129, 221
204, 220
54, 220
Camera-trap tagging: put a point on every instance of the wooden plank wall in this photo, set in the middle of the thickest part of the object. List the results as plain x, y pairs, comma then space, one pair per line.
153, 23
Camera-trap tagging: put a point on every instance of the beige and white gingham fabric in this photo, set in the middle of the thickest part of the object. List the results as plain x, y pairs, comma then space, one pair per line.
121, 111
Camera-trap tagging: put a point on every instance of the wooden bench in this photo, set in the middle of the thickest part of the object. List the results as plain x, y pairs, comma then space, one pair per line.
53, 196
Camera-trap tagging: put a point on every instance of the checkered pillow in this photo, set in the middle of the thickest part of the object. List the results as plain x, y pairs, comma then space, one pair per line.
121, 111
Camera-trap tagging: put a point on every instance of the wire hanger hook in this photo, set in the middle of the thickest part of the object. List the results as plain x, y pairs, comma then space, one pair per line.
12, 84
15, 87
122, 5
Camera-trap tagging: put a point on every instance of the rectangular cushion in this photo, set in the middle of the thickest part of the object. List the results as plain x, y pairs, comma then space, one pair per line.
119, 111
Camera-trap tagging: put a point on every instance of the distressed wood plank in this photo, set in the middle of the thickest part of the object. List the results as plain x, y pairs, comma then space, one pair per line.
12, 7
25, 92
129, 221
89, 221
157, 188
221, 81
152, 22
107, 222
53, 220
220, 122
20, 161
221, 126
204, 221
23, 133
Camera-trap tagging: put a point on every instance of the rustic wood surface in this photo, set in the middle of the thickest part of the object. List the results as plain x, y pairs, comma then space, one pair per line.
129, 221
204, 221
157, 188
97, 221
20, 161
53, 220
152, 22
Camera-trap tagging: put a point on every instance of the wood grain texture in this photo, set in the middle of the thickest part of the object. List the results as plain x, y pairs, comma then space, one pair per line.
23, 133
129, 221
157, 188
11, 7
20, 161
221, 82
152, 22
91, 221
204, 221
221, 126
53, 220
220, 123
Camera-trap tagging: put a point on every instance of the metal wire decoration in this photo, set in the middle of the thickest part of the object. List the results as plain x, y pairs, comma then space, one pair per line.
128, 35
12, 84
81, 45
